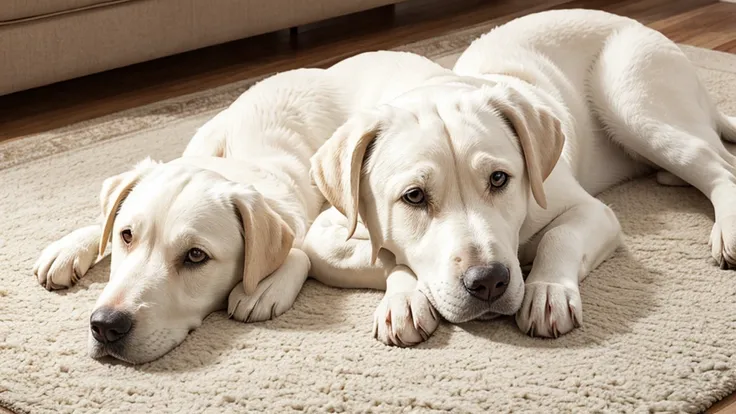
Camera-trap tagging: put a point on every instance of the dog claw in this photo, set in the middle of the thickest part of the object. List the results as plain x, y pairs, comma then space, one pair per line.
396, 340
575, 322
724, 264
422, 332
433, 313
555, 332
273, 311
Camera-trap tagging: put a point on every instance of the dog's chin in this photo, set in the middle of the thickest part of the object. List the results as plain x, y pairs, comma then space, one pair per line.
96, 350
119, 352
107, 352
462, 307
453, 309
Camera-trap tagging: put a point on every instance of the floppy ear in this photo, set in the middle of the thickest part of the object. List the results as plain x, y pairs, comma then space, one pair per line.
336, 167
114, 191
538, 129
268, 239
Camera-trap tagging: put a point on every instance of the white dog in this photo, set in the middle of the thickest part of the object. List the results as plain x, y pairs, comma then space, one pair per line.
226, 215
465, 182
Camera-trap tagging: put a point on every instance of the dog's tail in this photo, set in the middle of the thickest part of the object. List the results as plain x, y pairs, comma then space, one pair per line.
727, 128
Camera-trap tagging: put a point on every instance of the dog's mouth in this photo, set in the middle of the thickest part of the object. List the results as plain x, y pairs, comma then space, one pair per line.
136, 350
452, 312
118, 351
115, 350
488, 316
460, 309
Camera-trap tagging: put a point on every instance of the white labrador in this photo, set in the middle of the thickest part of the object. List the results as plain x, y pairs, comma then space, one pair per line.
466, 182
225, 216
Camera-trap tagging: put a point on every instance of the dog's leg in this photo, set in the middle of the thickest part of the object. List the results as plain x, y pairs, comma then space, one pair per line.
569, 248
274, 294
343, 263
647, 93
405, 316
698, 162
68, 259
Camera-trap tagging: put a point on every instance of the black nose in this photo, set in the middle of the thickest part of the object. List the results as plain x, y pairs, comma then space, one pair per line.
486, 282
109, 325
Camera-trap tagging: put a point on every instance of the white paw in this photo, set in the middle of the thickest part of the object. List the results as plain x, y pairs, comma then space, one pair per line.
404, 319
723, 242
274, 294
67, 260
549, 310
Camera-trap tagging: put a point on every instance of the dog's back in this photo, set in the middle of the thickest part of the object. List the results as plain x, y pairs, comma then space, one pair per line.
281, 121
571, 39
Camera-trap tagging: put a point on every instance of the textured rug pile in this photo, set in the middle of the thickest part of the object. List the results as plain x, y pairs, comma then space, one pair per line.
659, 329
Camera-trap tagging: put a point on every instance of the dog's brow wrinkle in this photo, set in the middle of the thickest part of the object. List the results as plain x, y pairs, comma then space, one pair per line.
178, 193
454, 156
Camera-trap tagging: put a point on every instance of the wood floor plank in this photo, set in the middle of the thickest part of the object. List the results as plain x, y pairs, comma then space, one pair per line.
725, 406
712, 26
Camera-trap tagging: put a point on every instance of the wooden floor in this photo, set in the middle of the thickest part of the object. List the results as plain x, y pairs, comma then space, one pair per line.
704, 23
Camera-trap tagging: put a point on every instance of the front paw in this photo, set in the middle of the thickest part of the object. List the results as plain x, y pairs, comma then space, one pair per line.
67, 260
404, 319
723, 242
274, 294
549, 310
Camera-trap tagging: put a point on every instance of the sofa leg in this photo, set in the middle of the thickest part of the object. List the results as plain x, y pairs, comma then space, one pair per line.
388, 12
294, 36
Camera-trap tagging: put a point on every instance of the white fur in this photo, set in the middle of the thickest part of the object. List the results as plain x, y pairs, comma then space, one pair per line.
245, 171
628, 103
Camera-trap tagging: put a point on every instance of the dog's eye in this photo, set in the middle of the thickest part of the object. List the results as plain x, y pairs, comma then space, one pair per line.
196, 256
499, 180
415, 196
127, 236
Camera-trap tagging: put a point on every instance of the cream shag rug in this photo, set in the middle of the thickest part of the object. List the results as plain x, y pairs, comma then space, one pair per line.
659, 329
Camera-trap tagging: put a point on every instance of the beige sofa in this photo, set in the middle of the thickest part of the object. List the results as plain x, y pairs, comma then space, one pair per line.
46, 41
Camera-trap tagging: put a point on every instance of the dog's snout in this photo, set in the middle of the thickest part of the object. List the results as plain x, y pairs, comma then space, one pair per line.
109, 325
487, 283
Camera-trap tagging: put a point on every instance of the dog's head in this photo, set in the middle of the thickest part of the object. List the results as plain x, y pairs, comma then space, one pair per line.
443, 178
182, 237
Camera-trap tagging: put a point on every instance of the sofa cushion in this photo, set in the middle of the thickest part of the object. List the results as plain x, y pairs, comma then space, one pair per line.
14, 10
